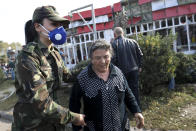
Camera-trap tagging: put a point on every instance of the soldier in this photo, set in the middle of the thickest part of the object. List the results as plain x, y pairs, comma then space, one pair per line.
39, 75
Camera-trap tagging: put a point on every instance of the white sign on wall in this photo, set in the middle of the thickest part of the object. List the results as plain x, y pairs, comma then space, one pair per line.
162, 4
171, 3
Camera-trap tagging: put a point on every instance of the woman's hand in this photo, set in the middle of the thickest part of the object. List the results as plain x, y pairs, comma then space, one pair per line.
139, 120
79, 120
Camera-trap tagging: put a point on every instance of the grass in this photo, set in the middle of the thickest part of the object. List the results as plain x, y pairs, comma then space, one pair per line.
162, 109
4, 84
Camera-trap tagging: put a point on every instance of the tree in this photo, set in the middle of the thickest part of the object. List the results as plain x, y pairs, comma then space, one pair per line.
15, 46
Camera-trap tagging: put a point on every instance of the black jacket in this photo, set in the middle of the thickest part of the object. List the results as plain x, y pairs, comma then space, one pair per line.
104, 102
127, 54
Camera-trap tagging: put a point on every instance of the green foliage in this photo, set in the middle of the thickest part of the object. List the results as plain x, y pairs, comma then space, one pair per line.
15, 46
159, 61
79, 67
3, 59
4, 45
186, 69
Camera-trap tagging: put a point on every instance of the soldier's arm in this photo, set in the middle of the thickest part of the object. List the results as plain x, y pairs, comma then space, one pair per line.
35, 92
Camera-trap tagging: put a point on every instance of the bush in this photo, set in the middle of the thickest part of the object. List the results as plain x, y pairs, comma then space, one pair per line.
159, 61
79, 67
186, 69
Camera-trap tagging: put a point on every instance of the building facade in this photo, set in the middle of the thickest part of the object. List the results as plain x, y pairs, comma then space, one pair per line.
143, 16
164, 16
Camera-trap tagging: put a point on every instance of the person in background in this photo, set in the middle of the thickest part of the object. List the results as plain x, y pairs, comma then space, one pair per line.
62, 54
40, 73
128, 57
105, 93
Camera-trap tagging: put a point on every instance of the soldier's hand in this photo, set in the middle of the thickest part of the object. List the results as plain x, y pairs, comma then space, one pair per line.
139, 120
79, 120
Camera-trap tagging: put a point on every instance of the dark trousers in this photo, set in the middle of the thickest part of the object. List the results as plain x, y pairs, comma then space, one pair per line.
133, 82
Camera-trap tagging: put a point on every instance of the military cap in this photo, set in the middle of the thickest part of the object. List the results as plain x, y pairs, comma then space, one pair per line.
50, 13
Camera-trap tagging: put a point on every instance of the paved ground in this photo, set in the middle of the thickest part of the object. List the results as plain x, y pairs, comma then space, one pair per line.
5, 125
6, 120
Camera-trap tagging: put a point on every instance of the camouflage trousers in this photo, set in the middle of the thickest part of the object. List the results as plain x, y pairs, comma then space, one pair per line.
44, 126
25, 119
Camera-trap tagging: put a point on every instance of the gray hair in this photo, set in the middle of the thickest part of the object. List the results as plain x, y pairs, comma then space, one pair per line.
118, 31
100, 44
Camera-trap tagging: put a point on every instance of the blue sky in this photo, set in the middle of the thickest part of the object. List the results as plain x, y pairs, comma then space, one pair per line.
14, 14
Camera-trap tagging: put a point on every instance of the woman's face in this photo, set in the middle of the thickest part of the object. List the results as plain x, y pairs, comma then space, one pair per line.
48, 25
100, 60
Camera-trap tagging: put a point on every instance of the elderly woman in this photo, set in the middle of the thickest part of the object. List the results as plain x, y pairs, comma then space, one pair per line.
105, 93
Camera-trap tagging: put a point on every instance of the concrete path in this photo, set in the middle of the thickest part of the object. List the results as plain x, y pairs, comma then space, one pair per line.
5, 125
6, 120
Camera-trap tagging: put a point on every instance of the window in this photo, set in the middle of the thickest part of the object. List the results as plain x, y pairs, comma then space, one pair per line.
150, 26
195, 18
176, 21
163, 23
133, 29
138, 28
157, 24
182, 20
98, 37
169, 22
82, 38
92, 36
128, 31
87, 37
192, 35
101, 35
145, 27
190, 18
77, 40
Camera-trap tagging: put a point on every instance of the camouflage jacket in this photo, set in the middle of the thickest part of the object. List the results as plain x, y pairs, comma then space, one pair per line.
36, 85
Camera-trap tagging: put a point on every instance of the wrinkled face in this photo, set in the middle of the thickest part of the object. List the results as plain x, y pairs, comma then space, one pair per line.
100, 60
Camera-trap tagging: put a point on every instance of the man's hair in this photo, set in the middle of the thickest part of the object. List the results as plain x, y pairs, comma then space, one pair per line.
118, 31
100, 44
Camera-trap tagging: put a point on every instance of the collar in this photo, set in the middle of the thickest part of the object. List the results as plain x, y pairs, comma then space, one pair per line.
92, 74
119, 37
46, 50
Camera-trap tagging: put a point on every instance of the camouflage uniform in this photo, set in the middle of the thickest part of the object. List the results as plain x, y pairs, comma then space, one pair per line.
39, 74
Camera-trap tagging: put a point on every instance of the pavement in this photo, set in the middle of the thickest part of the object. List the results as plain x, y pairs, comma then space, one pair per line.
6, 119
